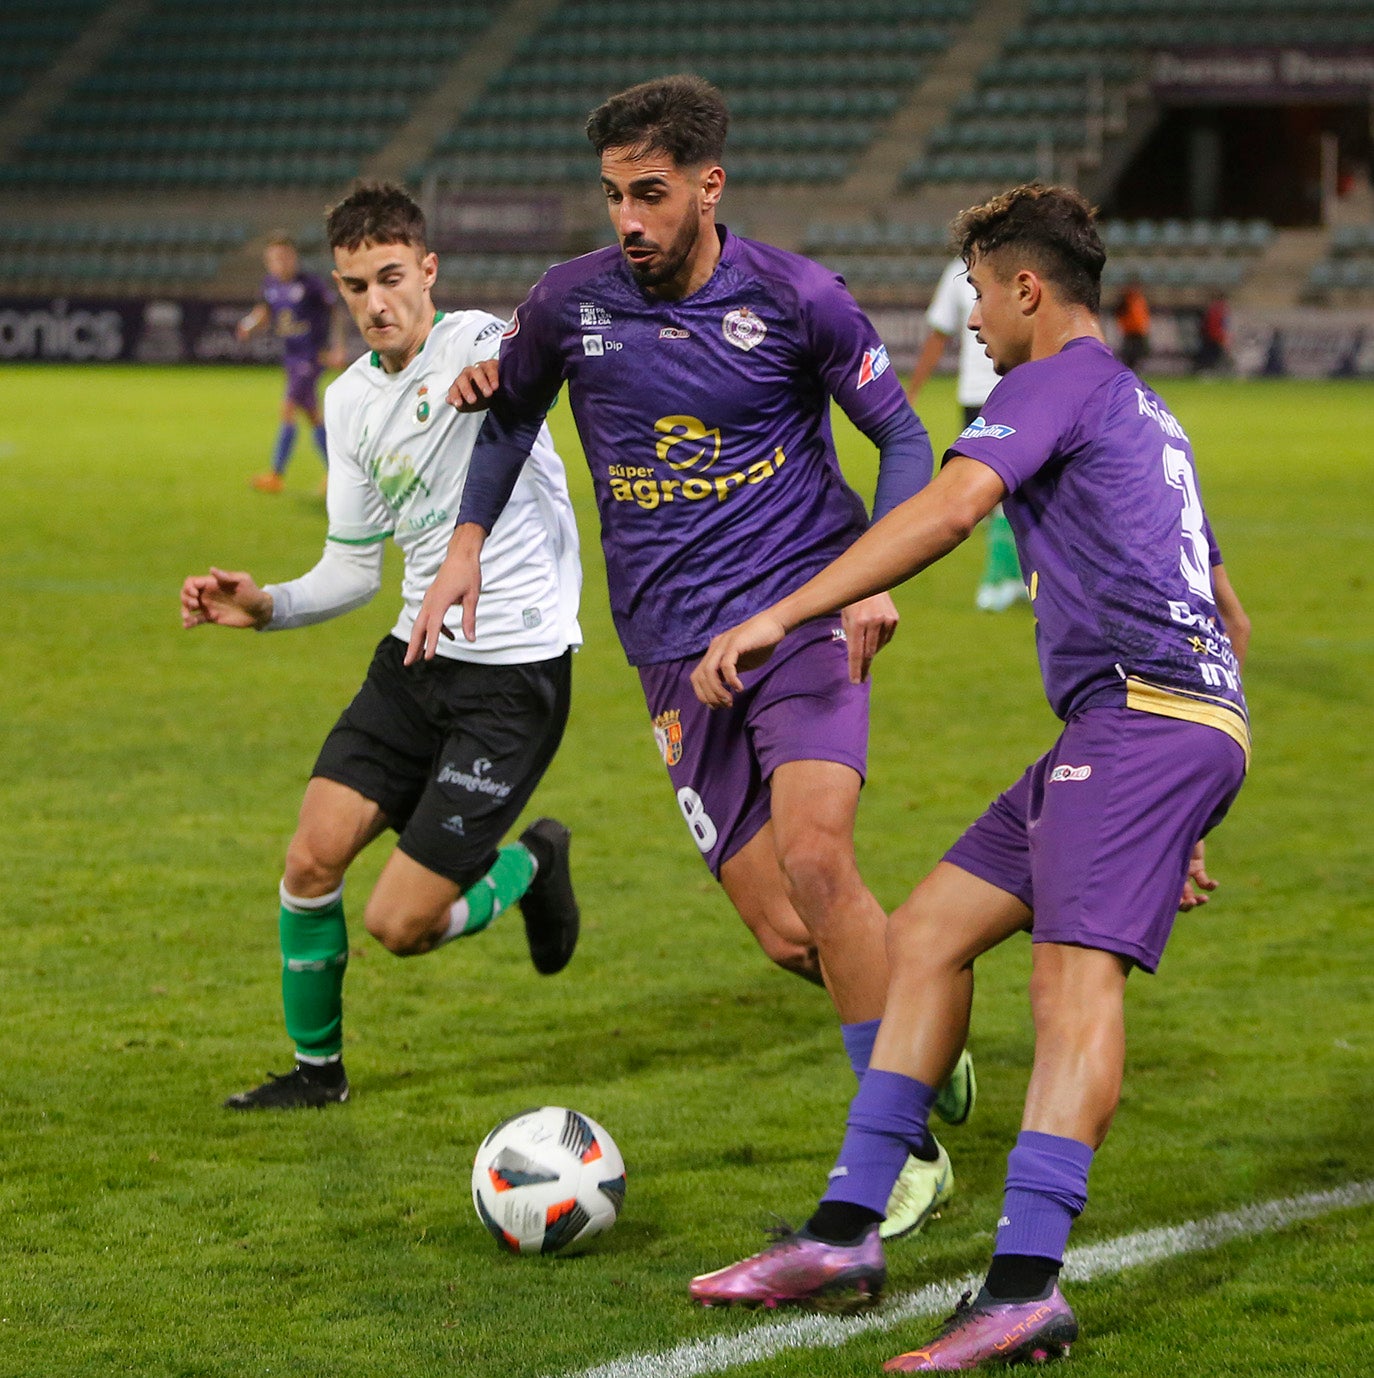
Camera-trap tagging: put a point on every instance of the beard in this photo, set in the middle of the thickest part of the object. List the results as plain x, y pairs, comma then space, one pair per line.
667, 263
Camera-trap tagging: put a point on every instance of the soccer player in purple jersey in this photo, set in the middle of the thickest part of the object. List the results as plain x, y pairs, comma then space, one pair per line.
300, 309
700, 367
1097, 845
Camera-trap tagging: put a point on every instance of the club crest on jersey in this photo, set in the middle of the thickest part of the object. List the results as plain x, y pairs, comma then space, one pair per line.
589, 313
422, 411
874, 364
980, 430
743, 328
668, 735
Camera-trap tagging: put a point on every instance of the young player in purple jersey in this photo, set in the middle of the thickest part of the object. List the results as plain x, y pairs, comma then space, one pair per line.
700, 367
300, 309
1097, 845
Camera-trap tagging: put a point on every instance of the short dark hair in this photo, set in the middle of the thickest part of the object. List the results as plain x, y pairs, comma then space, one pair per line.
1052, 229
377, 213
683, 116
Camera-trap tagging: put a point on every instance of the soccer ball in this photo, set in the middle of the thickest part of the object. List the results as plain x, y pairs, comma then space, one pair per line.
547, 1181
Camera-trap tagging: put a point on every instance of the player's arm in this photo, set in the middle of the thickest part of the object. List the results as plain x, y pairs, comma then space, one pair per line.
254, 321
907, 540
853, 364
1233, 616
926, 360
516, 390
1199, 885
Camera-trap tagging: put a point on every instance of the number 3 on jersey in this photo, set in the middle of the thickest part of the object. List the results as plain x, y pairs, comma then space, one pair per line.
1194, 561
698, 820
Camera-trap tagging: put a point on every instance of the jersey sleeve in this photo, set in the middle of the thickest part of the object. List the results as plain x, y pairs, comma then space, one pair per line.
1025, 421
529, 377
849, 356
357, 514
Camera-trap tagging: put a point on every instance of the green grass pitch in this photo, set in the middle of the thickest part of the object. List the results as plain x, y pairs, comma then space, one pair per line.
150, 783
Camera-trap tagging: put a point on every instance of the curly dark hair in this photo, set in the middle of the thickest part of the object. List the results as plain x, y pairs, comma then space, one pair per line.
683, 116
376, 213
1050, 229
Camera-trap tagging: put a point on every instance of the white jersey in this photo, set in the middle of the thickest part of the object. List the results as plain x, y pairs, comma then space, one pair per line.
398, 460
949, 313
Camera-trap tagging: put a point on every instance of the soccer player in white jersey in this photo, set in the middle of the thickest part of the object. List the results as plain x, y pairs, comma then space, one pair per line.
947, 318
448, 752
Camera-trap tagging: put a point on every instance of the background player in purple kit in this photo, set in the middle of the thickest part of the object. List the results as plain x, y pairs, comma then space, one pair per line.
1097, 845
700, 368
301, 310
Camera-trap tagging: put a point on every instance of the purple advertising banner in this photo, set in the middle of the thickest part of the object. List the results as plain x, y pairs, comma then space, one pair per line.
1262, 76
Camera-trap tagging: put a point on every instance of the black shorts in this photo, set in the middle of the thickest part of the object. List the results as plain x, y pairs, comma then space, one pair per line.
450, 750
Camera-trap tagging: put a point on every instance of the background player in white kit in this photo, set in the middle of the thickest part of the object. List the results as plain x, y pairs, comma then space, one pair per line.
947, 317
447, 753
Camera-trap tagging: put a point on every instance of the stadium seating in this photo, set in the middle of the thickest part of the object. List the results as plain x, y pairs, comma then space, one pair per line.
1346, 275
39, 255
1072, 60
255, 93
808, 91
1174, 258
34, 35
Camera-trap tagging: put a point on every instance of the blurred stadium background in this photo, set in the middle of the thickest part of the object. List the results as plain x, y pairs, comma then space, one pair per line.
147, 147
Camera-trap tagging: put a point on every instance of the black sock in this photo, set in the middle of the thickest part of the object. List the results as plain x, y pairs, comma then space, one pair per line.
841, 1222
1020, 1277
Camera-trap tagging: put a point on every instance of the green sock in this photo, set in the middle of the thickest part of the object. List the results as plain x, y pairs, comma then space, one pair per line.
507, 880
1002, 564
314, 953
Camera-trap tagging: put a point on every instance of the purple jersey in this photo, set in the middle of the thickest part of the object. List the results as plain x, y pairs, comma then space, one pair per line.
1103, 500
706, 425
301, 311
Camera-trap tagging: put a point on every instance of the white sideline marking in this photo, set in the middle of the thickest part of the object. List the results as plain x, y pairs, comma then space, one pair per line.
812, 1331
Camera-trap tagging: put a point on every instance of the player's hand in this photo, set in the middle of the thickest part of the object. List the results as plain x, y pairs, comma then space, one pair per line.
474, 387
868, 626
745, 647
458, 582
225, 598
1198, 885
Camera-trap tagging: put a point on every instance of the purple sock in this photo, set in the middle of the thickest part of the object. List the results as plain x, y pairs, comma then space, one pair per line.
286, 438
887, 1120
321, 445
1047, 1188
858, 1043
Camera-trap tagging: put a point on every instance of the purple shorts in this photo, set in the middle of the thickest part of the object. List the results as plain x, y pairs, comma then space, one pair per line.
302, 376
1096, 836
799, 706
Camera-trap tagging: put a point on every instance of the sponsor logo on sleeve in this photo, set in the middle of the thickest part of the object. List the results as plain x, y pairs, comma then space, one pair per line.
490, 329
671, 332
1070, 773
981, 430
743, 329
874, 364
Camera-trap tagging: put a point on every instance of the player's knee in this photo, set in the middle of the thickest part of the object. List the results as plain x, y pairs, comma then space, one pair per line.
311, 870
917, 941
400, 929
821, 874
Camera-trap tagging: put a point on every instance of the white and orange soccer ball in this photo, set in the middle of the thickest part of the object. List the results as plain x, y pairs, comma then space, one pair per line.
548, 1181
